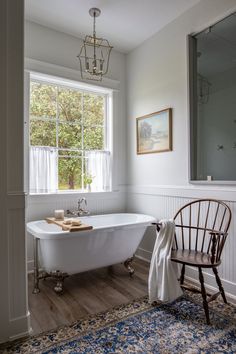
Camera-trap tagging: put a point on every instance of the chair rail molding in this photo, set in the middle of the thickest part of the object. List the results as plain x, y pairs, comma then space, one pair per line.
225, 192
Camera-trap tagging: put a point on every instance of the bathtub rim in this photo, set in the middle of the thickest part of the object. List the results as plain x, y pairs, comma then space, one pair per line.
34, 230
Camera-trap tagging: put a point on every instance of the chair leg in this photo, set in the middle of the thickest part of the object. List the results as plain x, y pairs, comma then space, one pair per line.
204, 295
219, 284
182, 274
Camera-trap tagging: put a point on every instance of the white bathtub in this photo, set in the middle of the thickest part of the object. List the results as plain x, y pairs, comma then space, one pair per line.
113, 239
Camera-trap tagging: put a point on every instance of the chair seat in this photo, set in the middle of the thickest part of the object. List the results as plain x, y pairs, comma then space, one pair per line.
194, 258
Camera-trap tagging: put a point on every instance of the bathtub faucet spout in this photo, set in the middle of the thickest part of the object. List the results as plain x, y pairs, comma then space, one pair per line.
81, 211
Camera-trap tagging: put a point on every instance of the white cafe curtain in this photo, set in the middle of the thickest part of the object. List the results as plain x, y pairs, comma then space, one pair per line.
98, 166
43, 169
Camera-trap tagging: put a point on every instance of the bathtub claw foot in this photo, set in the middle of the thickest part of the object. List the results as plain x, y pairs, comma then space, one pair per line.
59, 276
36, 290
59, 287
128, 266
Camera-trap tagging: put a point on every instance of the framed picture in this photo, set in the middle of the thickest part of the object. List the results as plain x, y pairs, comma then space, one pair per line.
154, 132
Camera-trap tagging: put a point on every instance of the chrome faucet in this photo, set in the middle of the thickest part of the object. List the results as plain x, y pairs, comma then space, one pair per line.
80, 211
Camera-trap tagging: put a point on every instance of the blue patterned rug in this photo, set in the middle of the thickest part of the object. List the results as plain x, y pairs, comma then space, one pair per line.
141, 328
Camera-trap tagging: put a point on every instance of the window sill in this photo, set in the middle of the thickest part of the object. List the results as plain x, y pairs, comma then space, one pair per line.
68, 192
71, 196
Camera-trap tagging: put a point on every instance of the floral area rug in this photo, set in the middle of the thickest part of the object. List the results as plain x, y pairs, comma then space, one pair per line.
138, 327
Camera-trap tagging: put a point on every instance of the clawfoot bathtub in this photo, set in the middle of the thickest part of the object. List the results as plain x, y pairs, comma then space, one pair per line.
113, 239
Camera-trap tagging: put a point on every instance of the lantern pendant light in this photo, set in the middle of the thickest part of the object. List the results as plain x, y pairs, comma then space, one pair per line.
95, 53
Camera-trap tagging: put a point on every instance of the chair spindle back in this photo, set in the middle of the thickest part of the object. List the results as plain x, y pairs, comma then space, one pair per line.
198, 222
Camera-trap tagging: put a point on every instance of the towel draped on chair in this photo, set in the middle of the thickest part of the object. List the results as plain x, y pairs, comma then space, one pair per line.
162, 282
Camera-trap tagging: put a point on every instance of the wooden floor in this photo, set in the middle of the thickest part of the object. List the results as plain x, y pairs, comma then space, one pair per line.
85, 293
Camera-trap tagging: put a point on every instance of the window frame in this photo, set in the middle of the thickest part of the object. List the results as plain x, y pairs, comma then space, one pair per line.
107, 126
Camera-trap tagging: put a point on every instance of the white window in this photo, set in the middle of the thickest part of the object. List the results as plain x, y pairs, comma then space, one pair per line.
69, 137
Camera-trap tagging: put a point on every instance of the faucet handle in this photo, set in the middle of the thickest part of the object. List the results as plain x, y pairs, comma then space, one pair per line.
80, 201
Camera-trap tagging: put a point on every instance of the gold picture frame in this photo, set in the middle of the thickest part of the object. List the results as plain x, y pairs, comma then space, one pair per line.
154, 132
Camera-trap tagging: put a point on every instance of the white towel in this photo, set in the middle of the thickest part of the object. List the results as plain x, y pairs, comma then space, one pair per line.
163, 284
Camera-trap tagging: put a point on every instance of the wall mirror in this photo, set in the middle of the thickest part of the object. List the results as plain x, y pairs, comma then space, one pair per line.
212, 88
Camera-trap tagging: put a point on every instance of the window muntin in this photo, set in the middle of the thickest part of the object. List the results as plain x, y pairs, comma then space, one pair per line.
73, 121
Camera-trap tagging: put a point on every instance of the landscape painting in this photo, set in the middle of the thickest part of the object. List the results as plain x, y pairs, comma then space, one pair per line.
154, 132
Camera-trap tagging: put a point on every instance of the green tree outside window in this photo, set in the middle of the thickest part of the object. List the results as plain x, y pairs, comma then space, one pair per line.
70, 120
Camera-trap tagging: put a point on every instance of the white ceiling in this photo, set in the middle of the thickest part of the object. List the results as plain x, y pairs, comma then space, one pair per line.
125, 23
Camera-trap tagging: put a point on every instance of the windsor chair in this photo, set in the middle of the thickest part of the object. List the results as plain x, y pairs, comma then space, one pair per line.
201, 232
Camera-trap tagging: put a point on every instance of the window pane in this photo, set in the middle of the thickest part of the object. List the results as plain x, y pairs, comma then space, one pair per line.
70, 136
93, 109
69, 104
70, 173
68, 119
93, 138
43, 100
42, 133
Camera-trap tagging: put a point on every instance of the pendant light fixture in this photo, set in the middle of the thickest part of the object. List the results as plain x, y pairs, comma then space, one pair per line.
95, 53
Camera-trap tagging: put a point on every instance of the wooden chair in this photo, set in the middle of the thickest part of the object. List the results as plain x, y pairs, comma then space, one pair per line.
201, 232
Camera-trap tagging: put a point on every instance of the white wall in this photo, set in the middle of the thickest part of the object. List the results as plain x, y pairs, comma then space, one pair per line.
55, 52
157, 79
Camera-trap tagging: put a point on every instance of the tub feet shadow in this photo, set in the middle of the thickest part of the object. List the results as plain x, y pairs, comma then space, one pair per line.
129, 267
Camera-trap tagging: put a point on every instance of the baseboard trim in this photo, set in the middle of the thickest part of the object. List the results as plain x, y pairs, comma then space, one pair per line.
143, 254
18, 324
210, 283
192, 277
21, 335
210, 289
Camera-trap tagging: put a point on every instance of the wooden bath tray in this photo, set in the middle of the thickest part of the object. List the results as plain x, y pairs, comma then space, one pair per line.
70, 228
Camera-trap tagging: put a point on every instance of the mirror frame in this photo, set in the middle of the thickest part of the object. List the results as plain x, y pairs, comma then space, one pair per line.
192, 106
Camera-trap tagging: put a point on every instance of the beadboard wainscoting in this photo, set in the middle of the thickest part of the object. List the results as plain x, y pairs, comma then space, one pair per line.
164, 202
41, 206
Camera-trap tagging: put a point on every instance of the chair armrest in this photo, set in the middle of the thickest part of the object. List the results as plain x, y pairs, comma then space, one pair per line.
214, 232
211, 232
